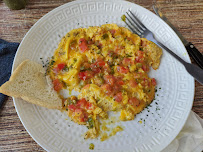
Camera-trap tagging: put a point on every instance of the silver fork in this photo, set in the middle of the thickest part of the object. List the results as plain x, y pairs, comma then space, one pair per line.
140, 29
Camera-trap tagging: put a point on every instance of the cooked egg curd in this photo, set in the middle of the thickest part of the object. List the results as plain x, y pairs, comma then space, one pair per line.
109, 66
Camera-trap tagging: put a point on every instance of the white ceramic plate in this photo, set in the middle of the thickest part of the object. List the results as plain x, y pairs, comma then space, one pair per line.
55, 132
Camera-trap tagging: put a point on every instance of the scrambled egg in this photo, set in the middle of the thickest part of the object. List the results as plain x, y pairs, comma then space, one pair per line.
109, 66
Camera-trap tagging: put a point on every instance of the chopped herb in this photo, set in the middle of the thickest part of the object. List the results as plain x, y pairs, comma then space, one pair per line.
91, 146
68, 35
90, 122
128, 55
105, 36
65, 68
123, 18
75, 60
52, 62
82, 68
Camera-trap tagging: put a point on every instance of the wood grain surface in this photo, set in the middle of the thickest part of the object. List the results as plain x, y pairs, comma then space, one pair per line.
186, 15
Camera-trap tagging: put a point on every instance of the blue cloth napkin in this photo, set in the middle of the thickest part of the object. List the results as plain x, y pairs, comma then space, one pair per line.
7, 54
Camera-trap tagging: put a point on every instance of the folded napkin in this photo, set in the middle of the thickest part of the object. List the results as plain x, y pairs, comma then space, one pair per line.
7, 53
190, 139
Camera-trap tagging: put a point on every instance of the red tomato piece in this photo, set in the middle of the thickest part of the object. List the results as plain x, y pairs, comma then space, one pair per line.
72, 107
81, 103
83, 117
108, 88
139, 57
134, 101
118, 97
133, 83
122, 69
57, 85
127, 61
96, 70
112, 31
89, 106
78, 111
145, 67
116, 88
61, 66
153, 81
85, 75
83, 45
100, 63
110, 79
120, 82
82, 75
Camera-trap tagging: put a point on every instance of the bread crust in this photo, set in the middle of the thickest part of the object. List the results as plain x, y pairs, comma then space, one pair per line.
20, 88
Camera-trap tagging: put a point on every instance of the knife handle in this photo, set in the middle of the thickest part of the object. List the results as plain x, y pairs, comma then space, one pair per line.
195, 54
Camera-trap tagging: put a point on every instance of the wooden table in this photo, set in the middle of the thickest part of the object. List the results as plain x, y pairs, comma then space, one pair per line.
186, 15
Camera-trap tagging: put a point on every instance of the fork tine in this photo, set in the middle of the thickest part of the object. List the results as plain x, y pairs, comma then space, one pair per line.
133, 27
137, 20
135, 24
138, 33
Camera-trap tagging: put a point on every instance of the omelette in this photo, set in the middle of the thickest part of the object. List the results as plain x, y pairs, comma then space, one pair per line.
109, 66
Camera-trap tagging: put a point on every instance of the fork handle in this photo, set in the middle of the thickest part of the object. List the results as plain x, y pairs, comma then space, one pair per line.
192, 69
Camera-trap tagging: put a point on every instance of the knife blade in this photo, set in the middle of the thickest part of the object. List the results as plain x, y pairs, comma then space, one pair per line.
191, 49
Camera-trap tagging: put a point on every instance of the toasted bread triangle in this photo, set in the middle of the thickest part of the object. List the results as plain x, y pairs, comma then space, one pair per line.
29, 82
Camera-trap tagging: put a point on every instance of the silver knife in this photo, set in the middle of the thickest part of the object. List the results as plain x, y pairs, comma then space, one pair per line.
192, 51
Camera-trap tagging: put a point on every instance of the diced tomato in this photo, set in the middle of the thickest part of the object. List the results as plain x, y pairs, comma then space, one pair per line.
118, 97
144, 82
112, 31
139, 57
145, 67
107, 88
83, 45
127, 61
78, 111
101, 63
85, 75
83, 117
153, 82
133, 83
122, 69
110, 79
82, 75
120, 82
96, 70
72, 107
134, 101
57, 85
89, 106
116, 88
61, 66
81, 103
